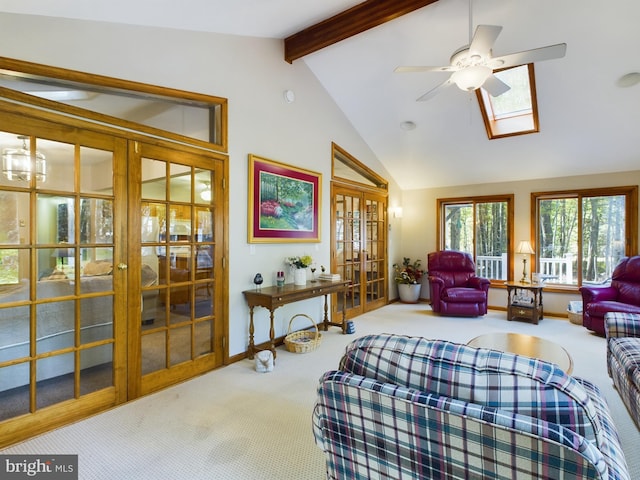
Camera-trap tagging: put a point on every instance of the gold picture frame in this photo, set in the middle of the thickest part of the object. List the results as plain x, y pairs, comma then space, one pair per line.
284, 202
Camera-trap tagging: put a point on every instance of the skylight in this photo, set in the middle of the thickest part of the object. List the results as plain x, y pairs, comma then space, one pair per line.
514, 112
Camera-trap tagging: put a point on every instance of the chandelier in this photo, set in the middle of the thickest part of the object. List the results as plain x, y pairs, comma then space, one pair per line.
22, 164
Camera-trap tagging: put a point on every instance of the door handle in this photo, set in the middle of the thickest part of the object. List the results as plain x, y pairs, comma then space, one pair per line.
122, 266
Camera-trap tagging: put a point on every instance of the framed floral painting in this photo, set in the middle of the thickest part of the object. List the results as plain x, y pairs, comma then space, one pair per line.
284, 202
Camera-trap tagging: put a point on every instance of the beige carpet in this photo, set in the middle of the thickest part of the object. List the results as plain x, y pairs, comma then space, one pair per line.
235, 423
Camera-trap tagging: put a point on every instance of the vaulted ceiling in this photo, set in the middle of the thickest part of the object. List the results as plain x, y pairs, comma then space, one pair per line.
588, 123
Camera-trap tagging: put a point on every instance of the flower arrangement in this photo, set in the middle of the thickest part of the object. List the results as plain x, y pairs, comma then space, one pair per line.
408, 273
299, 262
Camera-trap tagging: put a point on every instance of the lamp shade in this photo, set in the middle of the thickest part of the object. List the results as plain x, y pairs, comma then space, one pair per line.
62, 252
525, 247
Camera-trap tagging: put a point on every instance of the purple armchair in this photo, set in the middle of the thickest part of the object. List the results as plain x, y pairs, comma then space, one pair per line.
623, 295
455, 288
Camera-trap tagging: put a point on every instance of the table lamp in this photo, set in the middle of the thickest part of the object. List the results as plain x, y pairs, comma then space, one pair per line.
62, 254
524, 247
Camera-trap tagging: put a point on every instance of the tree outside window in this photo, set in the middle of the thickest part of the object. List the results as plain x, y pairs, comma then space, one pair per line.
10, 235
480, 226
582, 235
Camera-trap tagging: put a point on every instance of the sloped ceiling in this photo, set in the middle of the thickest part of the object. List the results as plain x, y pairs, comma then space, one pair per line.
588, 124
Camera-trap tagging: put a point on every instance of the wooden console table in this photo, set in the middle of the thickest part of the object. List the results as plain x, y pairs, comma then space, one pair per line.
274, 297
517, 308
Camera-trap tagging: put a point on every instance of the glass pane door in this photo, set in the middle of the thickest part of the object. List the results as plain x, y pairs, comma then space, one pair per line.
111, 279
179, 243
348, 245
58, 292
359, 233
375, 257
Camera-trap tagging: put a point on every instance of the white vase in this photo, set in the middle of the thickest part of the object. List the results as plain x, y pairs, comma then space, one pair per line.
409, 292
300, 276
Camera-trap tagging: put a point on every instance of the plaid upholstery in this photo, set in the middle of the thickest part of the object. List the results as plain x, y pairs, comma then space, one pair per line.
395, 422
623, 358
618, 324
610, 446
487, 377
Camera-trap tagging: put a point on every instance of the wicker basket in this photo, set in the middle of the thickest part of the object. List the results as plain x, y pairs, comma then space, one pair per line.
575, 317
302, 341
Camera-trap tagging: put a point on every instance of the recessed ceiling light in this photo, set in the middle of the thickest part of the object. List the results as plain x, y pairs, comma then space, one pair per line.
289, 96
408, 125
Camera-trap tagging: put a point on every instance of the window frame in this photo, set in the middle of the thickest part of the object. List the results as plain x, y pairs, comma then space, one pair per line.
442, 203
347, 169
217, 107
631, 222
510, 125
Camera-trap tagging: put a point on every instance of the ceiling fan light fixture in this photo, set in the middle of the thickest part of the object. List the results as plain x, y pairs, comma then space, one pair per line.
205, 194
471, 78
21, 164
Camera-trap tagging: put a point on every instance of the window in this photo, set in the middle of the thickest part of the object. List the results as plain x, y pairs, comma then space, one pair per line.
582, 235
346, 167
515, 112
481, 226
185, 117
9, 234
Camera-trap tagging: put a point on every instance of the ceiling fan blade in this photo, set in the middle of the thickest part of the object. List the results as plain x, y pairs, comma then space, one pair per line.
495, 86
422, 69
483, 39
434, 91
530, 56
629, 80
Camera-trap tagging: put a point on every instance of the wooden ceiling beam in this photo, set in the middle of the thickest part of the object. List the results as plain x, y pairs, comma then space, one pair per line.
357, 19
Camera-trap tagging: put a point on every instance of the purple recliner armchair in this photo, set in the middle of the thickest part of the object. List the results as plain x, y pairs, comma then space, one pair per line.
623, 295
455, 288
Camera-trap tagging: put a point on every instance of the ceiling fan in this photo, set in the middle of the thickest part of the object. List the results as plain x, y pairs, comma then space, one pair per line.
473, 64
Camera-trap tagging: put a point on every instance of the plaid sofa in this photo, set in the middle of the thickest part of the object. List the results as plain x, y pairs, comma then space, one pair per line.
623, 358
411, 408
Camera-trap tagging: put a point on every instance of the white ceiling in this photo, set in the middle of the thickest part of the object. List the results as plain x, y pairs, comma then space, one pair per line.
588, 124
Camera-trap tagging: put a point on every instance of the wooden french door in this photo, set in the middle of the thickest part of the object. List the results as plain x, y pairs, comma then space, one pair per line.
178, 199
111, 282
359, 247
63, 304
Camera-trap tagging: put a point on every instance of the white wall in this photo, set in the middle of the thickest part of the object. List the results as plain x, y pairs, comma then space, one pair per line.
418, 230
252, 74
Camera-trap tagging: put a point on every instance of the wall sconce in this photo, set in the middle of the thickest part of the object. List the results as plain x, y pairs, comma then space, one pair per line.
524, 248
396, 212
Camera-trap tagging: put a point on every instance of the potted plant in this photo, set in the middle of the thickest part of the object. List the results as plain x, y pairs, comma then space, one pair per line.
408, 277
299, 266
